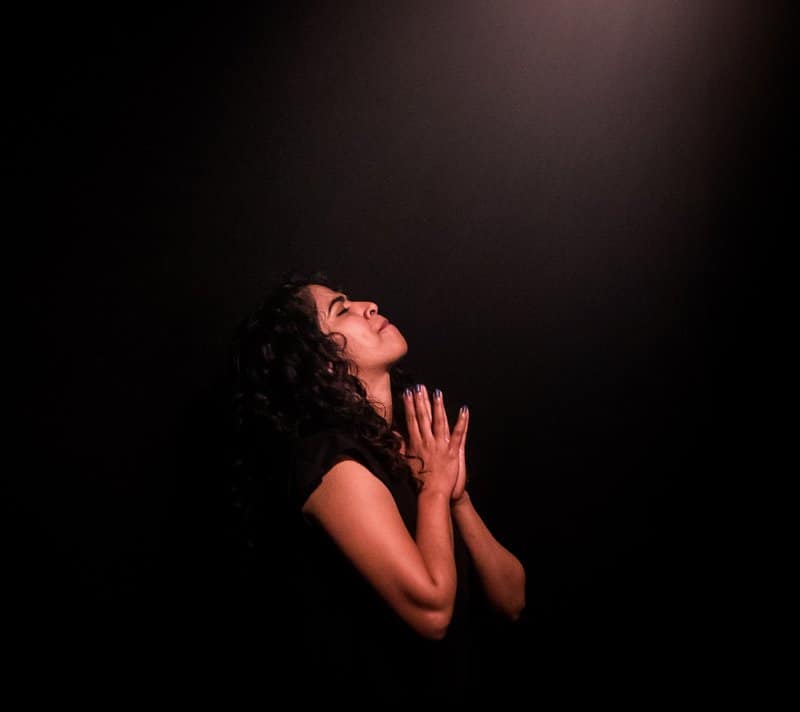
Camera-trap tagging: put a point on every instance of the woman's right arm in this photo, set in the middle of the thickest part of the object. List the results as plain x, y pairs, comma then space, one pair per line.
416, 578
415, 575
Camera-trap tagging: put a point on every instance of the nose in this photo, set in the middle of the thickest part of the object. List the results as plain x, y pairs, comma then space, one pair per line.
371, 309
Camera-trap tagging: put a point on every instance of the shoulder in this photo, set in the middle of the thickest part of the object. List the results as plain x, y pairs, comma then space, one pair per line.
318, 453
348, 486
324, 448
360, 514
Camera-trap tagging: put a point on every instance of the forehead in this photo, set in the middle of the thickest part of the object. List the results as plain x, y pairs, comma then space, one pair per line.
322, 295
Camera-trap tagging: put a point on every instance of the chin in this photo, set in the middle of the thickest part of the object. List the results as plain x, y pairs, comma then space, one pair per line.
398, 355
404, 350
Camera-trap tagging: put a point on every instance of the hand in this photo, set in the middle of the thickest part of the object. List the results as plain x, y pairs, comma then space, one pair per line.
460, 488
430, 438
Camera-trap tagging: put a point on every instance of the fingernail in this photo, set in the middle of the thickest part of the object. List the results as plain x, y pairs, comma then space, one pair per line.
418, 388
437, 393
406, 393
463, 410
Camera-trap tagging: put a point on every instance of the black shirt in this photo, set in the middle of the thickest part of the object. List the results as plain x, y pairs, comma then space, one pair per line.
343, 639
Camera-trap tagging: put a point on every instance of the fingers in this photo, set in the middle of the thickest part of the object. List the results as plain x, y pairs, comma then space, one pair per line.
412, 423
441, 428
458, 438
423, 408
427, 401
427, 423
418, 414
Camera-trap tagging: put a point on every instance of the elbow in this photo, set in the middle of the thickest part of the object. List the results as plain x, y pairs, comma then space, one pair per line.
518, 600
429, 610
521, 602
433, 623
433, 633
513, 603
515, 612
511, 608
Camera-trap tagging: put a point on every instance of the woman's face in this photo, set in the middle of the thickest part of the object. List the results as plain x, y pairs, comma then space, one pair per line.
373, 343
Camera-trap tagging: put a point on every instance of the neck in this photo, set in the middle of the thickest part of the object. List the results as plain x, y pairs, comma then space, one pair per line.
379, 392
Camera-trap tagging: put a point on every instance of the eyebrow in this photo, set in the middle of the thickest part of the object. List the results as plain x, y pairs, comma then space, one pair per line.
340, 298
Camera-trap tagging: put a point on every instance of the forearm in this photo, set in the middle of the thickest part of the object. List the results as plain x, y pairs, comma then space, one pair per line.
434, 538
500, 572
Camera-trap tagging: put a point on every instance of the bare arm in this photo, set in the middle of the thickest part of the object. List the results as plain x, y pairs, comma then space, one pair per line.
500, 572
416, 575
416, 578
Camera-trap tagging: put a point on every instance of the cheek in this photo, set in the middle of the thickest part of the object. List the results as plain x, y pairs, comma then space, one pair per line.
364, 345
337, 339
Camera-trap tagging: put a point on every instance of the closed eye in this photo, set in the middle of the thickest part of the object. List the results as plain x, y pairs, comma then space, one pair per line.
343, 311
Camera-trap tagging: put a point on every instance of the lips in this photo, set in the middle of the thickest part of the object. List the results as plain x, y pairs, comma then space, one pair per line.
384, 325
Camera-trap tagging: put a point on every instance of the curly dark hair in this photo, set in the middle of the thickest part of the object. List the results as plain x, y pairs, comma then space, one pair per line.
291, 380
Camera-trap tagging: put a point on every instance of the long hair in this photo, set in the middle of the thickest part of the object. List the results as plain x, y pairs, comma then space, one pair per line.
291, 380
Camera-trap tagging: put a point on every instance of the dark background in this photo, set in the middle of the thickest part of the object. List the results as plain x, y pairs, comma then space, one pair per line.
557, 203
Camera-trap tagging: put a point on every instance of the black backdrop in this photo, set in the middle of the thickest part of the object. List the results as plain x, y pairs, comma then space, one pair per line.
555, 203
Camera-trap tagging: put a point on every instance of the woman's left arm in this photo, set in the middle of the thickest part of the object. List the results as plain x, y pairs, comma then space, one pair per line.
500, 572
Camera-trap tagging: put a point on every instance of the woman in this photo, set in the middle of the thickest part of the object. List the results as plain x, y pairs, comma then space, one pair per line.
355, 490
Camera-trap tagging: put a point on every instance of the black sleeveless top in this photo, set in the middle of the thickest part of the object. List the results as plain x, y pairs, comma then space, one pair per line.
343, 639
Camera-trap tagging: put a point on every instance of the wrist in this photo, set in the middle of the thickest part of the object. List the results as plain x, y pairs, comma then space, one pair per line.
460, 502
433, 492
